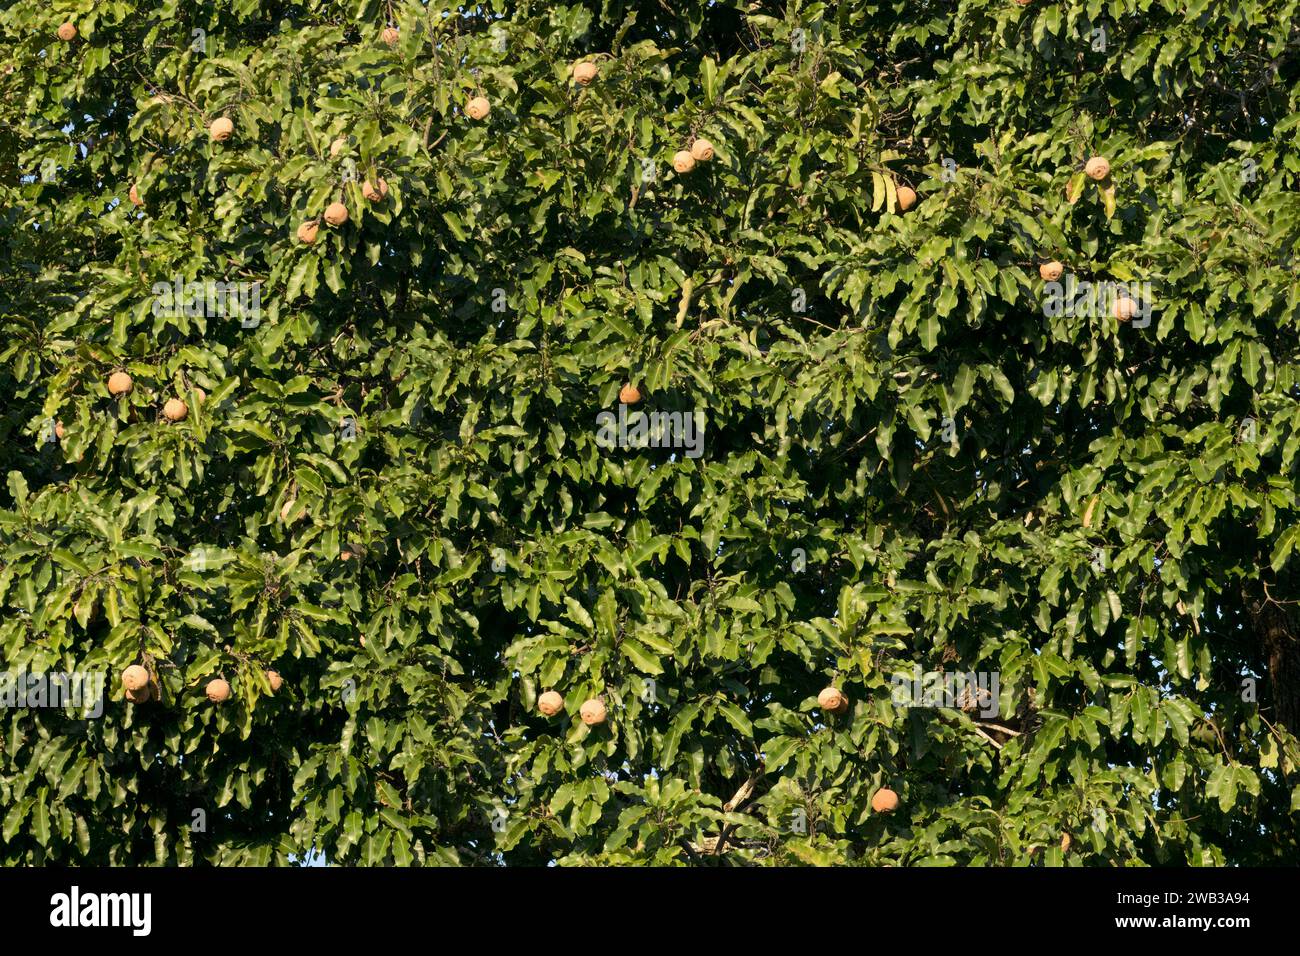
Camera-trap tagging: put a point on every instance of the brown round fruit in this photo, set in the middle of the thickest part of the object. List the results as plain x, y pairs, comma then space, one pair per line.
478, 108
58, 430
336, 214
592, 712
550, 703
135, 677
338, 146
307, 232
390, 36
1065, 843
1124, 308
218, 691
885, 801
584, 73
683, 161
221, 129
67, 31
175, 410
275, 680
374, 192
119, 383
1098, 167
629, 394
134, 196
141, 696
906, 197
1051, 271
832, 699
702, 150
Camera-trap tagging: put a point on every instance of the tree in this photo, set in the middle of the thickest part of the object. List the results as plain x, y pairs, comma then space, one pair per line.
393, 485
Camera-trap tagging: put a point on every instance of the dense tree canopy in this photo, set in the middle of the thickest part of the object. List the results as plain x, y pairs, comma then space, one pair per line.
390, 482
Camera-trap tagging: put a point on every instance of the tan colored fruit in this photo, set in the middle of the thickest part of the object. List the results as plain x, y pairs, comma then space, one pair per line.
1124, 308
275, 680
629, 394
550, 703
338, 146
345, 555
1050, 271
1023, 3
683, 161
832, 699
885, 801
119, 383
390, 36
584, 73
58, 430
134, 196
135, 677
336, 214
906, 197
175, 410
286, 508
592, 712
218, 691
202, 395
702, 150
1098, 167
67, 31
221, 129
141, 696
307, 232
1065, 843
478, 107
374, 192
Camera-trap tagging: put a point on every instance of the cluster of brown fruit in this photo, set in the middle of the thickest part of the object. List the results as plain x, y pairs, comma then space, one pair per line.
832, 700
119, 383
700, 151
1097, 168
336, 214
592, 711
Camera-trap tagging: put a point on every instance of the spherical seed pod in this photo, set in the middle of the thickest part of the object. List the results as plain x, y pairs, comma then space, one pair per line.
390, 36
58, 430
141, 696
221, 129
67, 31
175, 410
702, 150
683, 161
336, 214
307, 232
478, 108
629, 394
884, 801
275, 680
202, 395
135, 677
218, 691
585, 72
593, 712
1051, 271
374, 191
1098, 167
550, 703
906, 197
119, 383
1124, 308
833, 700
338, 146
134, 195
